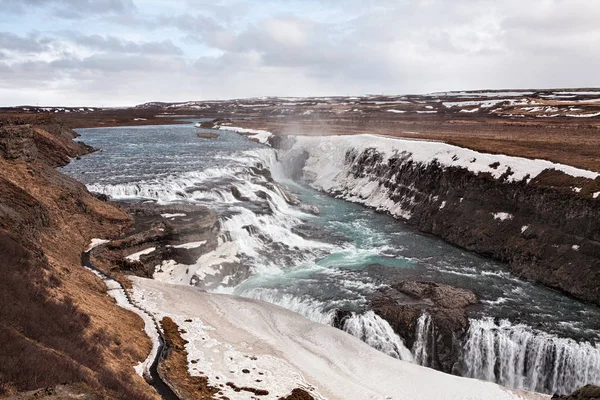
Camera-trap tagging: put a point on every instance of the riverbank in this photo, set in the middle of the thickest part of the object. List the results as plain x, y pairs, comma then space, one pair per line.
57, 320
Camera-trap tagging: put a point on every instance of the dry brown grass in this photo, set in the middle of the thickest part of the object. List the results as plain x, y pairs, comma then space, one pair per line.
58, 322
575, 143
174, 367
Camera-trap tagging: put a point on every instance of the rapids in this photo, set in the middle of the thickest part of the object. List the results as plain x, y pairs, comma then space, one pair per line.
317, 264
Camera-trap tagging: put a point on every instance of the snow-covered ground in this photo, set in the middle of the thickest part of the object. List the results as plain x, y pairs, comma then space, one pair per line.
258, 134
260, 345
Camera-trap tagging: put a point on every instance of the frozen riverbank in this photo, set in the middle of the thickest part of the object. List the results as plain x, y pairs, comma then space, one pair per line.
252, 343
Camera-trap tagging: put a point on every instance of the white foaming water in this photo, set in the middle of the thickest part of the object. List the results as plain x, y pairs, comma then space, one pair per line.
307, 307
377, 333
423, 349
519, 357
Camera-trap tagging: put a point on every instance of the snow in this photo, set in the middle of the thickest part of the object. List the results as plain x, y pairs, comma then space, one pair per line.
208, 264
576, 189
502, 216
426, 112
443, 204
583, 115
575, 247
96, 243
486, 94
479, 103
396, 111
136, 256
470, 111
190, 245
595, 195
524, 228
388, 102
172, 215
258, 134
260, 345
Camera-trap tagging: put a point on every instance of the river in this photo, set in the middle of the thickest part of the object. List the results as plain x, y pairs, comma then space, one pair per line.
522, 335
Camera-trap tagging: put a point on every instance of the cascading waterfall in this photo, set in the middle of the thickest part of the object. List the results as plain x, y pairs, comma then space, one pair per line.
518, 357
423, 349
305, 306
377, 333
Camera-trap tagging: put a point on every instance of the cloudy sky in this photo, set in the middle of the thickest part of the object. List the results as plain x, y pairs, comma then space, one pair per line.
125, 52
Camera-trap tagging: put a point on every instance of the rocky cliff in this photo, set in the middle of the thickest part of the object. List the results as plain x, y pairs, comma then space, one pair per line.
56, 319
542, 219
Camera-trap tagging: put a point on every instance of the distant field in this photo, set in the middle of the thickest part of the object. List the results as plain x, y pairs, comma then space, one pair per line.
558, 125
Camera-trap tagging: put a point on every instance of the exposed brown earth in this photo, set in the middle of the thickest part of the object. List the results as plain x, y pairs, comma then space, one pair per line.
56, 319
174, 367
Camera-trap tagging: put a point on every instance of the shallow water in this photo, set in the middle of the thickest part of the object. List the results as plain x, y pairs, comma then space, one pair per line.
317, 264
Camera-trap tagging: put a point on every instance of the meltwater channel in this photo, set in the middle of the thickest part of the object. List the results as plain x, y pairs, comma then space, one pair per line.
522, 335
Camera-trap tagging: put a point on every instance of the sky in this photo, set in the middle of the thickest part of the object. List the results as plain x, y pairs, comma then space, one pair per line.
127, 52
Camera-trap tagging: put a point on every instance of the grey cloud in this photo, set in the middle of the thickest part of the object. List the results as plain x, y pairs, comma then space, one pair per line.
31, 43
388, 46
69, 8
117, 45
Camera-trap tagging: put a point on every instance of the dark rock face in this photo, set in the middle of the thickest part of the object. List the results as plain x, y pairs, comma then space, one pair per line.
543, 229
281, 142
404, 302
588, 392
16, 143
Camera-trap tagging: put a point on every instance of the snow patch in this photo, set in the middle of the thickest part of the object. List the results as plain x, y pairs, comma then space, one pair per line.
169, 216
95, 243
261, 135
190, 245
502, 216
136, 256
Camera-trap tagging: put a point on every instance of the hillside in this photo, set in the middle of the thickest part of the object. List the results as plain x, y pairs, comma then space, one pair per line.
56, 320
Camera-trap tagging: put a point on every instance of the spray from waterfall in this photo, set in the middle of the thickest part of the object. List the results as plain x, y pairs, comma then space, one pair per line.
377, 333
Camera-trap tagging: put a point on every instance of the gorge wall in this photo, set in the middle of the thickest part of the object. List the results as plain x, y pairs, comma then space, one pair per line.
543, 219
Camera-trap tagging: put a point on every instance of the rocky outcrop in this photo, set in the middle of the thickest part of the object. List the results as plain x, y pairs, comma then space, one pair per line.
432, 314
589, 392
165, 229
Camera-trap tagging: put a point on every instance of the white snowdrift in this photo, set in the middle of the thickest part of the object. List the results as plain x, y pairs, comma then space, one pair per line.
257, 344
258, 134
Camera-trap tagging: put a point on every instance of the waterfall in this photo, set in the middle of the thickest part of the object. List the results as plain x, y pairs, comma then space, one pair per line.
377, 333
519, 357
305, 306
423, 349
